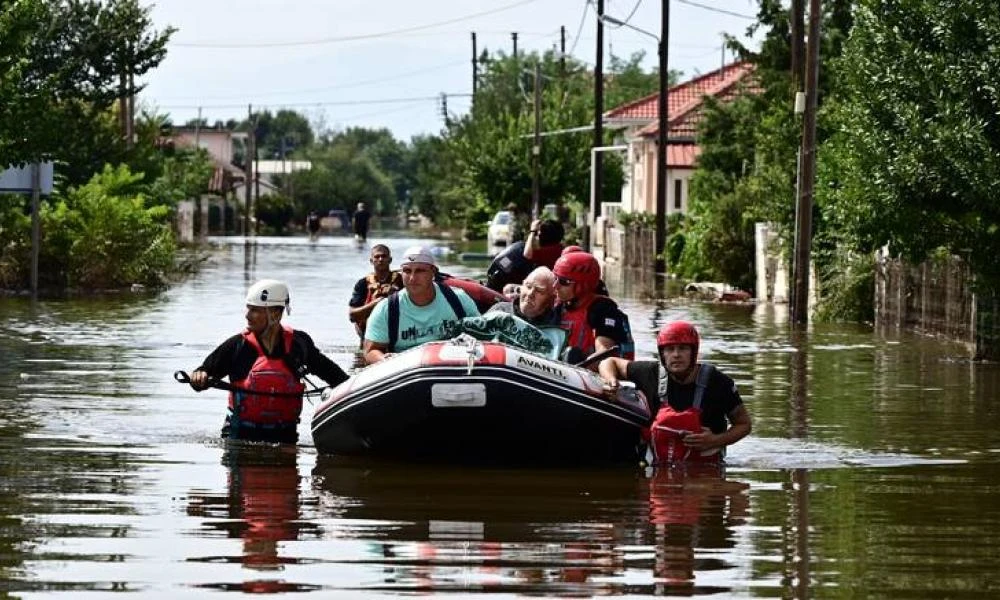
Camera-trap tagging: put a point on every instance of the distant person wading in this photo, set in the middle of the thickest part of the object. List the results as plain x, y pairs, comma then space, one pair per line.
361, 220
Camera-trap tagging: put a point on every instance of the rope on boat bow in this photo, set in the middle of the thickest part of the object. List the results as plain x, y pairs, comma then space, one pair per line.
472, 346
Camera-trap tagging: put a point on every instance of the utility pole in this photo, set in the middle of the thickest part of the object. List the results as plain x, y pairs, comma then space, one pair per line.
197, 131
130, 142
256, 183
444, 108
475, 68
513, 36
803, 211
248, 176
595, 200
536, 148
562, 50
36, 226
661, 140
798, 50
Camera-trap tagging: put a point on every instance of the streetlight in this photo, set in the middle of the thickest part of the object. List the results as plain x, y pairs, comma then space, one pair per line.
661, 134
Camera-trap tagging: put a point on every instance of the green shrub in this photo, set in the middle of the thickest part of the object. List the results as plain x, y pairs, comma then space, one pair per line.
15, 242
101, 236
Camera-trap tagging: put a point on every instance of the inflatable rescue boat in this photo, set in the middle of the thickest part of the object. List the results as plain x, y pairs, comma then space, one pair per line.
485, 402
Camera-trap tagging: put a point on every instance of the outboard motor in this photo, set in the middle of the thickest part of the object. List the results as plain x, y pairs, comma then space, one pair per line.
510, 266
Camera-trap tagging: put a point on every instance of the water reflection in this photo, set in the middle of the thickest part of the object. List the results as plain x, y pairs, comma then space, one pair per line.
591, 532
260, 508
694, 513
873, 467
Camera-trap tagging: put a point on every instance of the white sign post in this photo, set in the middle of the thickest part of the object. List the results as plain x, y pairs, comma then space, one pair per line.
34, 179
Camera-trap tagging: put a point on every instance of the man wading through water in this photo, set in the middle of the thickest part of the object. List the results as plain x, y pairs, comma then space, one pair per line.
266, 356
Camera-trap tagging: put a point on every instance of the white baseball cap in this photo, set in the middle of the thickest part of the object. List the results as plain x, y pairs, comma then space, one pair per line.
418, 255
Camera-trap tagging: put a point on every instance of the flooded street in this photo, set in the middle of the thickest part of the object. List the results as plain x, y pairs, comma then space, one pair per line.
873, 469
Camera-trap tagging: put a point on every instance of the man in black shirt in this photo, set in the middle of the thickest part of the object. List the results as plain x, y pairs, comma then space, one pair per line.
673, 382
267, 356
361, 219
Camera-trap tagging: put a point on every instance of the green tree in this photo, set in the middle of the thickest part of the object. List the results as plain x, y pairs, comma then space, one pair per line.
491, 145
388, 154
917, 155
437, 190
72, 59
747, 168
339, 178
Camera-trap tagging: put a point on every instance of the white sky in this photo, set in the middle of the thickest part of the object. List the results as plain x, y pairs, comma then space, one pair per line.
302, 62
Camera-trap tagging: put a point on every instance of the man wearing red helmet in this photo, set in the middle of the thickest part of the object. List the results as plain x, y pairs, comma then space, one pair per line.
593, 321
682, 390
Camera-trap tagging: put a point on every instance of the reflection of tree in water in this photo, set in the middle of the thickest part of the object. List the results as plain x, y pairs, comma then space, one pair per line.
261, 507
692, 509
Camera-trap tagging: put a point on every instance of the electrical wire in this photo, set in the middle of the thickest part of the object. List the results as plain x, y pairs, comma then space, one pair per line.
333, 87
632, 14
316, 104
350, 38
579, 29
717, 10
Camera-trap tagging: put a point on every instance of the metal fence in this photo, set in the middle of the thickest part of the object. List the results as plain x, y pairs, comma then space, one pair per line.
936, 297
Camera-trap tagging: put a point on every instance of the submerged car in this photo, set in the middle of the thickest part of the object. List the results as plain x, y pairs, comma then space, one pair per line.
498, 232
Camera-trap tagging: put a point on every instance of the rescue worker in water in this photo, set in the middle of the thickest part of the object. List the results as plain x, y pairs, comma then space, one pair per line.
267, 356
692, 401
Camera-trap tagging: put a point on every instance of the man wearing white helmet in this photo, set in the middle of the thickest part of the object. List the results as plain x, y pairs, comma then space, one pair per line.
418, 313
266, 356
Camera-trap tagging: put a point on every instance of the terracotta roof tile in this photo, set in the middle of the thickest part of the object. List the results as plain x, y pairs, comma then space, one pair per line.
682, 155
682, 99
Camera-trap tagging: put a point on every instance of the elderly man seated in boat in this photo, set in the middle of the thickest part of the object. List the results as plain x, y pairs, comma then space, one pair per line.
421, 312
535, 301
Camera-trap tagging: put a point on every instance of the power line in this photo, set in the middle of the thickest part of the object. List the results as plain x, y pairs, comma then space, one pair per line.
308, 104
379, 113
579, 29
717, 10
333, 87
631, 14
351, 38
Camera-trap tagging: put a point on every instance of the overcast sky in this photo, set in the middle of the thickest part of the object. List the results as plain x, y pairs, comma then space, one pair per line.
384, 63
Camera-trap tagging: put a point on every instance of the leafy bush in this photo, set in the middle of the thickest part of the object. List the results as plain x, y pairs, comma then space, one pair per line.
477, 219
637, 218
102, 236
15, 241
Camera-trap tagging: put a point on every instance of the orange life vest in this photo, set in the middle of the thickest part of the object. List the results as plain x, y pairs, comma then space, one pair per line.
377, 290
382, 290
271, 375
670, 426
581, 335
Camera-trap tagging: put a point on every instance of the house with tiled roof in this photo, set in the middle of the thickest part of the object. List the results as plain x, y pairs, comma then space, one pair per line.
638, 122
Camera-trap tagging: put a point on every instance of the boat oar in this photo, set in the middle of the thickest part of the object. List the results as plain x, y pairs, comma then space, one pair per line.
596, 357
183, 377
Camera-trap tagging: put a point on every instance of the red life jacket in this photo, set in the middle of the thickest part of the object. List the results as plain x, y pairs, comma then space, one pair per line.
579, 332
581, 335
670, 426
268, 374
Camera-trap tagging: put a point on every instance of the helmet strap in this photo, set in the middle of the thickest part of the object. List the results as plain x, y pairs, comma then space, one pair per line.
272, 326
684, 377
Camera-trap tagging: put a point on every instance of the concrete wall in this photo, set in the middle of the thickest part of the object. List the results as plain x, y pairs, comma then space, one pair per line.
771, 265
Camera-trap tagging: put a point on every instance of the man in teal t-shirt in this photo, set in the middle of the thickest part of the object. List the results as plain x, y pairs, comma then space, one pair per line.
424, 309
